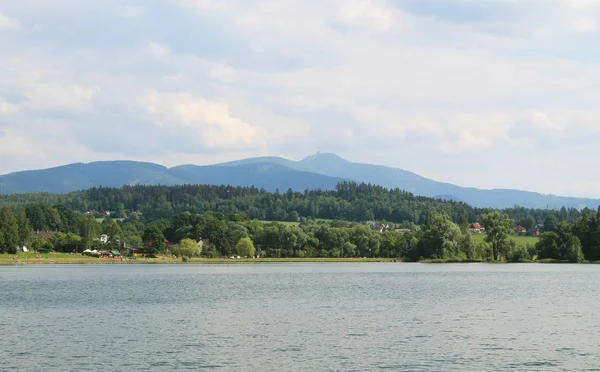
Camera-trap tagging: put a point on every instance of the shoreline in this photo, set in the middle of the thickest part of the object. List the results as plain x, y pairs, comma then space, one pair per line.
66, 259
86, 260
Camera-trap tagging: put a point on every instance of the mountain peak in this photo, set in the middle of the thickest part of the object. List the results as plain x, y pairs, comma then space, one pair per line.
324, 156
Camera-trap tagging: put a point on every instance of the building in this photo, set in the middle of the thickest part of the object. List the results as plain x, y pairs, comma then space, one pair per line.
43, 234
476, 228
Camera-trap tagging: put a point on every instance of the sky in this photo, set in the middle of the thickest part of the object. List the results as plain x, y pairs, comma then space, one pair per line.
482, 93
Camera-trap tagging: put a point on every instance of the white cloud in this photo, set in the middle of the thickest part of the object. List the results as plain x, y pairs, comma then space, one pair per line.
542, 121
215, 127
132, 12
407, 84
585, 25
158, 49
367, 13
466, 141
7, 107
9, 24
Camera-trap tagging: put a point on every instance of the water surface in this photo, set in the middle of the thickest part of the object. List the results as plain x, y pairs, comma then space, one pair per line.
300, 317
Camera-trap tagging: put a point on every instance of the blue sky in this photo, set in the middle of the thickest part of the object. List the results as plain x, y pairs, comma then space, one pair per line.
491, 94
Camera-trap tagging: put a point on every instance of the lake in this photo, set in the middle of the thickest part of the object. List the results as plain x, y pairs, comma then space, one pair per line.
300, 317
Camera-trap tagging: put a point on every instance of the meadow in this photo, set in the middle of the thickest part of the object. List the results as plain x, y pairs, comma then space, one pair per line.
522, 240
66, 258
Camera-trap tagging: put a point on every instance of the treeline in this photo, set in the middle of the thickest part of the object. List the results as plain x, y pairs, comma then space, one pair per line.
222, 234
70, 230
439, 238
350, 202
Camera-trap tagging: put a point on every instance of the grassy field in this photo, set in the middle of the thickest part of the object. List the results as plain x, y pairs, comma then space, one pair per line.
101, 219
288, 223
65, 258
523, 240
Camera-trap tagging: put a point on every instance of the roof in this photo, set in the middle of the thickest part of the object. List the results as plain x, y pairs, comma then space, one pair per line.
44, 234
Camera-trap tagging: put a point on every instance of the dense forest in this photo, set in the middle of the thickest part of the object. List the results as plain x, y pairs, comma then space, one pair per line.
350, 202
355, 220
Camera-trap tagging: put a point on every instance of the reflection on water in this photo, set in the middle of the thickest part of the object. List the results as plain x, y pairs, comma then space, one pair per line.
299, 317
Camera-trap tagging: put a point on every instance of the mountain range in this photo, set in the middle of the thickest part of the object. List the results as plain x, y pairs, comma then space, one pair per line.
319, 171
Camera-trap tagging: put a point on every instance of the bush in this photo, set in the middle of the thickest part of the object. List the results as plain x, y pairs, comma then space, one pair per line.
517, 253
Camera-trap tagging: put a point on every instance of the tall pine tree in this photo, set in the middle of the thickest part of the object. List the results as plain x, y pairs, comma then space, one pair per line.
10, 231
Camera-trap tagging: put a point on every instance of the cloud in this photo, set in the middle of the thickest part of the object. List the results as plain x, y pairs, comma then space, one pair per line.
212, 123
466, 141
132, 12
158, 49
9, 24
427, 86
366, 13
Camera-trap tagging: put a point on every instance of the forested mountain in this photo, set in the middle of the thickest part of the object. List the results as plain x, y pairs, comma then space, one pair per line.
267, 175
320, 171
333, 165
73, 177
83, 176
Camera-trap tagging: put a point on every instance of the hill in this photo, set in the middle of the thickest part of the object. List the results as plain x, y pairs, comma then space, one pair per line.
319, 171
59, 180
335, 166
82, 176
268, 175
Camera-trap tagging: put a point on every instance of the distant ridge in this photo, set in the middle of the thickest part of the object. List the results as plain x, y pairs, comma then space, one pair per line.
318, 171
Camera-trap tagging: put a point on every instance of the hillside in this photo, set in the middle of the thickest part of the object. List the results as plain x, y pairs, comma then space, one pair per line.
82, 176
335, 166
267, 175
73, 177
319, 171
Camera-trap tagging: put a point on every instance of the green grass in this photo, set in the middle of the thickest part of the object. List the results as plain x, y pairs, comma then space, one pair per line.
287, 223
293, 259
65, 258
522, 240
101, 219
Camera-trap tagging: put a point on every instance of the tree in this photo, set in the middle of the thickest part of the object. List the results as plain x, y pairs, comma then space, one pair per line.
497, 226
88, 230
527, 222
114, 233
245, 248
186, 248
10, 231
35, 215
65, 242
464, 221
53, 220
550, 223
439, 238
517, 252
24, 229
561, 244
349, 249
154, 239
